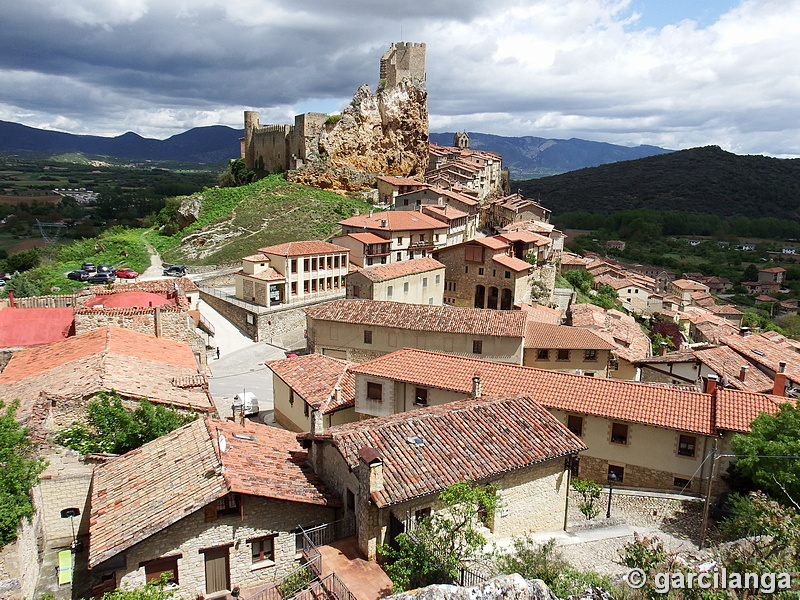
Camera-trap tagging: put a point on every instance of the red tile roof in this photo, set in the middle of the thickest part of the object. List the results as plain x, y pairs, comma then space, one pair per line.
544, 335
476, 321
314, 377
268, 274
144, 491
400, 180
426, 450
366, 238
511, 262
131, 300
727, 363
34, 326
401, 269
760, 350
609, 398
773, 270
396, 220
541, 314
303, 248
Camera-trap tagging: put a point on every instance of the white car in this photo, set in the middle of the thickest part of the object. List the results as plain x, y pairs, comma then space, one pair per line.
248, 401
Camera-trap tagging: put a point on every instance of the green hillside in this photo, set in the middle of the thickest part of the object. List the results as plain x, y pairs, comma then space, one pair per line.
701, 180
236, 221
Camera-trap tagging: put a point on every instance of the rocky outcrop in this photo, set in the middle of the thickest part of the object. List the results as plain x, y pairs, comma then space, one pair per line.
382, 133
505, 587
188, 212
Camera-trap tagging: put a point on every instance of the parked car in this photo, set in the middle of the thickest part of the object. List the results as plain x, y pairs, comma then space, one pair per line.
2, 282
105, 269
175, 270
78, 275
88, 266
126, 273
248, 401
101, 278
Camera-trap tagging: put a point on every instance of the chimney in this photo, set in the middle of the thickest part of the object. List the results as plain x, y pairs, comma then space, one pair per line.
711, 385
317, 426
384, 223
743, 331
662, 349
743, 373
373, 460
337, 395
11, 299
238, 409
779, 385
157, 321
476, 386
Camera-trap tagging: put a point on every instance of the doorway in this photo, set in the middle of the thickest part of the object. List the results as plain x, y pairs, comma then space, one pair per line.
218, 572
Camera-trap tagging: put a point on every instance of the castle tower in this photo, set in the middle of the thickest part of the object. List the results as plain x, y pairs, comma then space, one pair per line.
403, 60
461, 140
250, 125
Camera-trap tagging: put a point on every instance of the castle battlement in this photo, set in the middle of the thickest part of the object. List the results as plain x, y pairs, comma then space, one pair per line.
403, 60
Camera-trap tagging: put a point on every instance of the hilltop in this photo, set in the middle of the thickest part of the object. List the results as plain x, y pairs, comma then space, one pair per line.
235, 221
700, 180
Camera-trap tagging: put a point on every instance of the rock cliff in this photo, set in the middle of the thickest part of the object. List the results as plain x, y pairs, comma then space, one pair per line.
505, 587
382, 133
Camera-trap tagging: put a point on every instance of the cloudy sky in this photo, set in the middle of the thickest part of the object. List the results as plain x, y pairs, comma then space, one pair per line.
672, 73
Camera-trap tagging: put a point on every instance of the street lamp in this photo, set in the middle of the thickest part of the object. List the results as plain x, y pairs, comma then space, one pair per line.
612, 477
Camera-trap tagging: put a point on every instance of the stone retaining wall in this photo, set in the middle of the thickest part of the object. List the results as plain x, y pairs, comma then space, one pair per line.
19, 562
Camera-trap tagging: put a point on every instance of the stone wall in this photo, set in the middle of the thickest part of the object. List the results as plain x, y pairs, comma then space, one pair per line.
55, 493
19, 562
188, 537
532, 499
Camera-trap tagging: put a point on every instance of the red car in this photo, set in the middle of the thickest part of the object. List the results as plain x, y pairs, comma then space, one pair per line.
126, 273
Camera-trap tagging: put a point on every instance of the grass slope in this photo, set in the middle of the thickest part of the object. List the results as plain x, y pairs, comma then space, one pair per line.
235, 222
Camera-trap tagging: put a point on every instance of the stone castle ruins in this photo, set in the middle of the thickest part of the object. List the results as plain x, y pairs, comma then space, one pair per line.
385, 133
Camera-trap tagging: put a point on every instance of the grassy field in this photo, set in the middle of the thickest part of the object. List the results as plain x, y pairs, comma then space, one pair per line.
241, 220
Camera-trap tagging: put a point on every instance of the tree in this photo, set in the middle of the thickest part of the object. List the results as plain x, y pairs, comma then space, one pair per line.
580, 279
750, 273
772, 435
590, 493
19, 472
113, 428
443, 540
665, 331
153, 590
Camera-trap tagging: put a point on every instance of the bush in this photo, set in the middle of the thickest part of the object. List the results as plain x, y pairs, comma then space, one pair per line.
590, 493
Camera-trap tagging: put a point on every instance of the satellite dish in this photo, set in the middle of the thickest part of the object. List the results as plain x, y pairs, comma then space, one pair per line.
223, 443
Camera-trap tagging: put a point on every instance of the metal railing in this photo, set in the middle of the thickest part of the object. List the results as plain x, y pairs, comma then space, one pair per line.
206, 325
327, 533
464, 578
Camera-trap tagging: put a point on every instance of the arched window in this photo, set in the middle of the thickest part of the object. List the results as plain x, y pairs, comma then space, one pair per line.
493, 295
506, 299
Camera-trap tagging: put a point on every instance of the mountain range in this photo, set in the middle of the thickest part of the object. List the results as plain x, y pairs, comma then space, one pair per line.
525, 156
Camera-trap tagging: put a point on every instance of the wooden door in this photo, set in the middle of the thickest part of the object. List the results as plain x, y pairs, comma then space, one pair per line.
218, 574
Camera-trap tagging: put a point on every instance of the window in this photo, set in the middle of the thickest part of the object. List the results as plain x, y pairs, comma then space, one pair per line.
421, 397
154, 569
507, 275
563, 354
422, 237
619, 433
399, 240
424, 282
480, 270
542, 354
473, 253
477, 347
686, 445
306, 264
421, 514
314, 264
466, 269
435, 237
438, 279
367, 336
389, 290
618, 472
405, 287
294, 288
575, 424
590, 355
374, 391
680, 482
356, 291
306, 410
399, 257
251, 319
228, 505
293, 267
305, 287
291, 397
262, 549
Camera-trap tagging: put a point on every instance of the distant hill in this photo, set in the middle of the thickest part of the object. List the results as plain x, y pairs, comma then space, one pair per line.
201, 144
539, 157
701, 180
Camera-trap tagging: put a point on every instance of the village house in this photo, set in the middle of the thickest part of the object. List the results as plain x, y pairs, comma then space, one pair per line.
431, 195
391, 469
214, 504
313, 382
389, 187
366, 249
683, 288
460, 168
412, 234
360, 330
634, 297
772, 275
417, 281
293, 273
615, 245
484, 273
630, 342
770, 355
648, 436
569, 349
506, 210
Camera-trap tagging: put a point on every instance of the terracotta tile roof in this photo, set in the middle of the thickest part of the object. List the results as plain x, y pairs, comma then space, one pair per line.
760, 350
426, 450
130, 300
401, 269
568, 258
184, 284
134, 364
511, 262
531, 225
725, 309
614, 326
302, 248
614, 282
148, 489
463, 198
476, 321
773, 270
491, 242
541, 314
737, 409
314, 377
397, 220
268, 274
727, 363
446, 212
635, 402
256, 258
686, 284
543, 335
34, 326
400, 180
679, 356
765, 298
365, 238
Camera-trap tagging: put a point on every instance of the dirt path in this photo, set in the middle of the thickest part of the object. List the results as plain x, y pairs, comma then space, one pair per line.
155, 270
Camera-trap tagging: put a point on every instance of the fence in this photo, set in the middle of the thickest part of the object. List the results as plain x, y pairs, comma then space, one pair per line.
206, 325
464, 577
329, 532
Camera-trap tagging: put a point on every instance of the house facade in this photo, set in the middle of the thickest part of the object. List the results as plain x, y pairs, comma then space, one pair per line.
417, 281
569, 349
411, 233
360, 330
293, 273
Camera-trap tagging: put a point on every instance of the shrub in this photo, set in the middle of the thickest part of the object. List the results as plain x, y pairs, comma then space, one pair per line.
590, 493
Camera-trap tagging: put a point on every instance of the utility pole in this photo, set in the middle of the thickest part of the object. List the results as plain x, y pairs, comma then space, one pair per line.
709, 486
